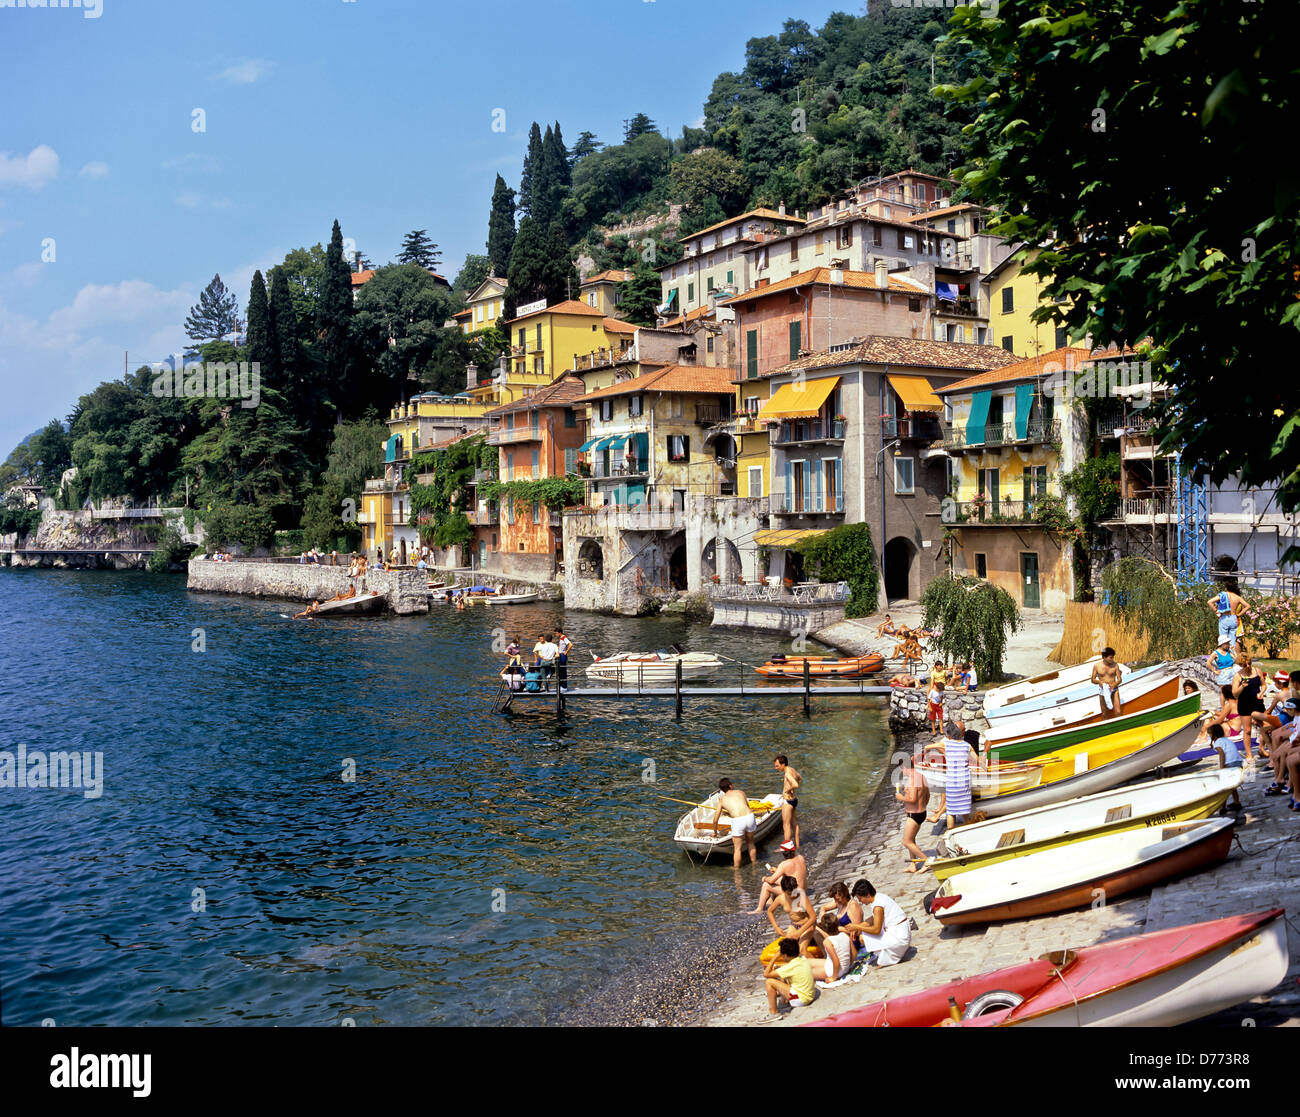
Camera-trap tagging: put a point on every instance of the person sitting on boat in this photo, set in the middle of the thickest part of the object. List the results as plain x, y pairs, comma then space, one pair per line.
1222, 662
793, 865
1230, 754
735, 805
1106, 675
794, 901
885, 931
788, 976
835, 948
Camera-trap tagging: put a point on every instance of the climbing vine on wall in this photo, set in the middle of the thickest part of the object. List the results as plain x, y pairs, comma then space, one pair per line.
438, 508
554, 492
845, 554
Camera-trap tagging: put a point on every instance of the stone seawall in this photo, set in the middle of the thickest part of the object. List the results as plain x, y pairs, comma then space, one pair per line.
406, 591
775, 616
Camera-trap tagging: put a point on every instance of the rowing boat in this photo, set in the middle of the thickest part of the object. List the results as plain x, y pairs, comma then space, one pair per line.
1064, 697
998, 779
1156, 803
1100, 778
1077, 874
1135, 696
822, 667
509, 598
1036, 686
694, 829
358, 605
643, 668
1158, 979
1045, 744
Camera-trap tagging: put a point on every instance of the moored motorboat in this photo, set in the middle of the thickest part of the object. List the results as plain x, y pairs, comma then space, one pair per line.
1159, 979
652, 668
822, 667
1111, 774
1139, 694
1046, 743
1155, 803
1038, 685
695, 832
1076, 874
509, 598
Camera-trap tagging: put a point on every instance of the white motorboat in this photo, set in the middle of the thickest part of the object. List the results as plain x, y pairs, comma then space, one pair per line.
644, 669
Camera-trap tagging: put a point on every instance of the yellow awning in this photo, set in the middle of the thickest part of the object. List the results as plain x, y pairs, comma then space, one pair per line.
785, 538
915, 392
801, 400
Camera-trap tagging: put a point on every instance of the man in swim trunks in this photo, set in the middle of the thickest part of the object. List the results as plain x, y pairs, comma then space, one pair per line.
789, 798
735, 805
792, 865
1106, 675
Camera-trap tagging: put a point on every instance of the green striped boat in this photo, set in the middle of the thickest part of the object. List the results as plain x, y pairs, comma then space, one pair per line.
1014, 751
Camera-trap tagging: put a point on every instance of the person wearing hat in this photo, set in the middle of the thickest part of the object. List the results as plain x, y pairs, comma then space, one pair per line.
793, 865
1222, 662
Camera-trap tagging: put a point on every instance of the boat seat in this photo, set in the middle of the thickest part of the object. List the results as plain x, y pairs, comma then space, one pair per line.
1118, 814
1011, 838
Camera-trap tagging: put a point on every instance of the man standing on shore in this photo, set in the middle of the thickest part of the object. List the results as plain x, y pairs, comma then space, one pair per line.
735, 805
789, 798
1230, 609
957, 757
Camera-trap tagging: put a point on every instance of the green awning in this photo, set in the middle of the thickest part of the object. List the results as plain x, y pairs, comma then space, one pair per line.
1024, 401
590, 444
619, 441
979, 417
642, 447
603, 444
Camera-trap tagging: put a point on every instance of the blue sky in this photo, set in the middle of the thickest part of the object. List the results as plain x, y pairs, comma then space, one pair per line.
377, 112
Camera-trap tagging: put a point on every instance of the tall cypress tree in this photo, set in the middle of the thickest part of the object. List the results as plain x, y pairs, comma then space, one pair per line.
334, 314
544, 209
282, 335
501, 227
531, 163
259, 331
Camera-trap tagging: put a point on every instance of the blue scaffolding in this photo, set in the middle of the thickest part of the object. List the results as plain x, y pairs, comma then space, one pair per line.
1193, 529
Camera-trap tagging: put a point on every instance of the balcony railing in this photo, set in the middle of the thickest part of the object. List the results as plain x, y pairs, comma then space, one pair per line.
813, 430
626, 468
516, 434
483, 517
1003, 434
800, 504
483, 475
910, 426
710, 414
964, 308
1148, 508
997, 511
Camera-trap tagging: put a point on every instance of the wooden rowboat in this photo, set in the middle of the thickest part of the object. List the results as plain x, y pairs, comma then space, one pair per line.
822, 667
694, 829
654, 668
1064, 697
1127, 767
1038, 685
1136, 696
1045, 744
1076, 874
509, 598
1156, 803
1159, 979
998, 779
358, 605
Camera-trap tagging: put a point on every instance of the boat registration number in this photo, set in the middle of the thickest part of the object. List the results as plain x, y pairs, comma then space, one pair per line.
1161, 819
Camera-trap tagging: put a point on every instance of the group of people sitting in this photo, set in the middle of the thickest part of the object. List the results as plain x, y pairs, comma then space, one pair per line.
358, 565
819, 946
550, 656
958, 677
908, 646
221, 556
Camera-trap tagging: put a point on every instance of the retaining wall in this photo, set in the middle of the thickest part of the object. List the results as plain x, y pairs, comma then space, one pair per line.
775, 616
406, 591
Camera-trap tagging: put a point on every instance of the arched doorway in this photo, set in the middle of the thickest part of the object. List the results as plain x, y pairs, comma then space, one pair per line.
677, 567
403, 552
794, 566
591, 560
733, 561
899, 557
708, 565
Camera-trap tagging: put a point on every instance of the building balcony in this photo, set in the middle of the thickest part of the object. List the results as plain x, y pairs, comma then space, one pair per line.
603, 358
481, 476
924, 427
711, 414
1004, 434
384, 485
812, 430
960, 308
516, 434
992, 513
808, 504
619, 470
624, 517
483, 517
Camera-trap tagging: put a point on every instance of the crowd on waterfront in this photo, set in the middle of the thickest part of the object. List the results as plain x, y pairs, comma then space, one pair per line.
550, 660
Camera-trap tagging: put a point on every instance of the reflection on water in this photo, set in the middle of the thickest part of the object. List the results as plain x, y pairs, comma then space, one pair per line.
476, 870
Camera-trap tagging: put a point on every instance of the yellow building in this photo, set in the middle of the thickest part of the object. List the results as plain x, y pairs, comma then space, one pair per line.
602, 291
1012, 297
484, 306
1006, 453
548, 341
753, 462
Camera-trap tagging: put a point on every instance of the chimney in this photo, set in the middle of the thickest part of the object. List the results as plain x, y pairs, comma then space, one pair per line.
882, 274
781, 209
471, 376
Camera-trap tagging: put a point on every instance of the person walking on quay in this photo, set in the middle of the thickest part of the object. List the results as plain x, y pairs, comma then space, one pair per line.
565, 646
546, 652
886, 931
914, 795
957, 757
792, 865
735, 805
1106, 675
1230, 608
789, 798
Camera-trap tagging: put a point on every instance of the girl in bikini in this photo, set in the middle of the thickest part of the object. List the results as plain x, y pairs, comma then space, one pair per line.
914, 794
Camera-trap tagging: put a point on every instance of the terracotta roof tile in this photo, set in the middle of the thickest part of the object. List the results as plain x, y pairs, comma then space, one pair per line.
1027, 369
618, 326
860, 280
671, 378
905, 352
568, 306
771, 214
559, 393
614, 275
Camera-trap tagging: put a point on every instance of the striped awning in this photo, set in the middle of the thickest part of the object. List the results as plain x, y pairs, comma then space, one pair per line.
915, 392
785, 538
801, 400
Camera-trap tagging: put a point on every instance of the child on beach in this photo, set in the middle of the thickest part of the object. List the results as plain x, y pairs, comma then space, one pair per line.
935, 698
788, 976
1230, 755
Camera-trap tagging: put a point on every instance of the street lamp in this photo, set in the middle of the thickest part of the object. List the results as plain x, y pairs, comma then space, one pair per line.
881, 473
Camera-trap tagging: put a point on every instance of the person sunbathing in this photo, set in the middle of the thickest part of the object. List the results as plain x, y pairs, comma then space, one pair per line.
886, 627
314, 607
904, 679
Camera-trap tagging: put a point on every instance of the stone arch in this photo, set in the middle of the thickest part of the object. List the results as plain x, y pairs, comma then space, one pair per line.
677, 567
591, 560
902, 579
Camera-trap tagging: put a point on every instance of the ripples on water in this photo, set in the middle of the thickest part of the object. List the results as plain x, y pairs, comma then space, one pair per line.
371, 899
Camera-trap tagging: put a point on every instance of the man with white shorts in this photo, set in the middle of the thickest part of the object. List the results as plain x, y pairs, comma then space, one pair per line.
735, 805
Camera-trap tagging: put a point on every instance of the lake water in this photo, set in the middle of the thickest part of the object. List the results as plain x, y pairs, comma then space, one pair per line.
480, 868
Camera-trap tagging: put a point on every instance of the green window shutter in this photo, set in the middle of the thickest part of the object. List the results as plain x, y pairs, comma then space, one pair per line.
979, 417
690, 292
1024, 401
751, 354
796, 331
730, 279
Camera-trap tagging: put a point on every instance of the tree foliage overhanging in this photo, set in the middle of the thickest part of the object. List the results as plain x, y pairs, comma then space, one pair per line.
974, 619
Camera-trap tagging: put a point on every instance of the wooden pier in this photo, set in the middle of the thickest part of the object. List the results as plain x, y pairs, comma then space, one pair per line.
804, 689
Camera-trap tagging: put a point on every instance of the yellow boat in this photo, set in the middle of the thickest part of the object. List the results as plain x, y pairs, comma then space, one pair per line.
1061, 764
1157, 803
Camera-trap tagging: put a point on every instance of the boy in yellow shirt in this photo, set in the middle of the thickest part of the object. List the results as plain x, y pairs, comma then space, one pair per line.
788, 975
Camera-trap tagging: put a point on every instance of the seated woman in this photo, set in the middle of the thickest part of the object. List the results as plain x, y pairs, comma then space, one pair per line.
841, 907
834, 950
885, 931
798, 911
886, 627
1226, 715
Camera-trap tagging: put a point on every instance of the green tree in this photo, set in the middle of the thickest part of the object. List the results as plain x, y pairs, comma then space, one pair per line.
532, 163
585, 145
846, 554
399, 331
710, 175
50, 450
974, 618
282, 335
1115, 135
472, 272
641, 295
541, 266
215, 315
333, 318
501, 227
261, 346
417, 248
639, 125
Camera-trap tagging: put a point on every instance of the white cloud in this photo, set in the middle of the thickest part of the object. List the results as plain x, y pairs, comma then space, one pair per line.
189, 200
245, 73
192, 161
32, 171
94, 170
